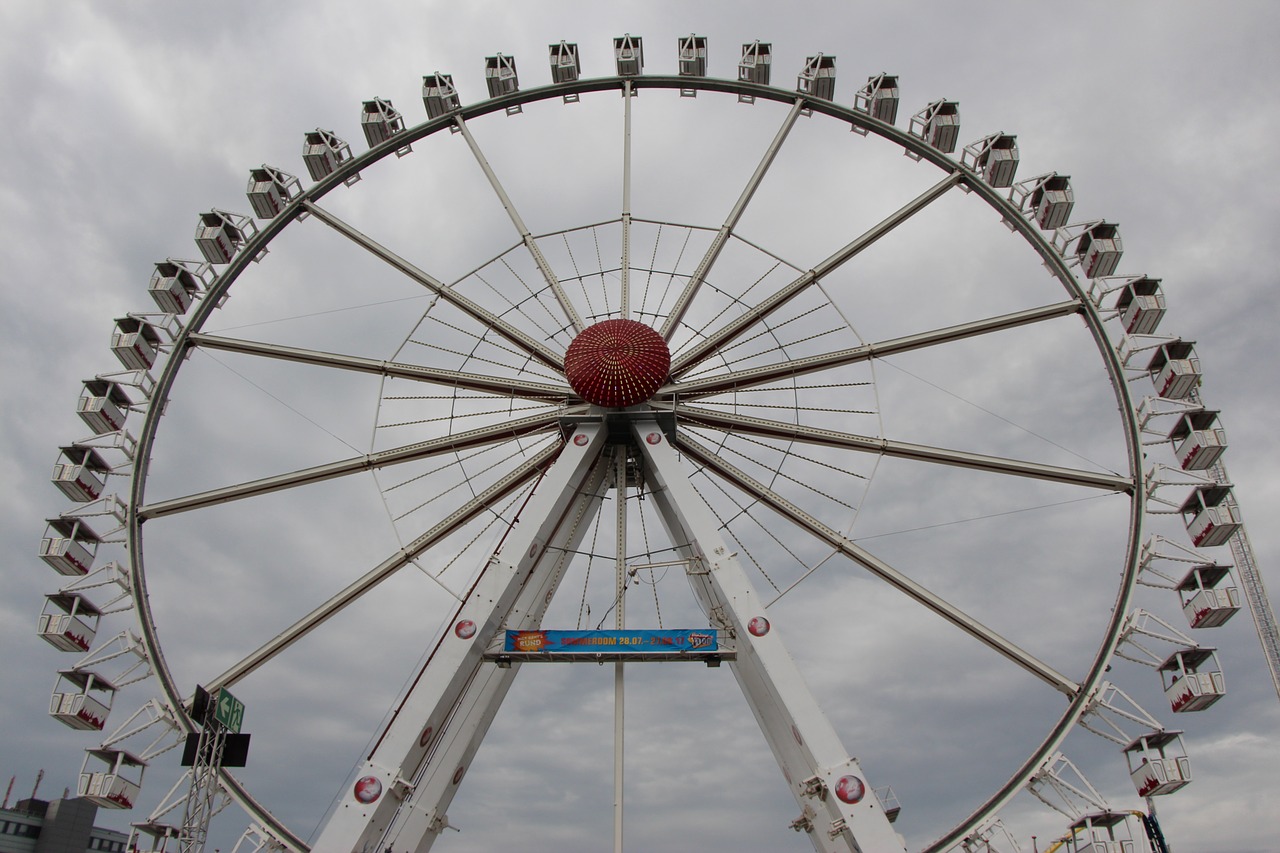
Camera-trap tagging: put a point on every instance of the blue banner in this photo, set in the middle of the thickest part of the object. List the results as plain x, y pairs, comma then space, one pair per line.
594, 642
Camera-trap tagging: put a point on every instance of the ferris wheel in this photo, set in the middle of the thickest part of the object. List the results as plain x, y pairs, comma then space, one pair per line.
646, 436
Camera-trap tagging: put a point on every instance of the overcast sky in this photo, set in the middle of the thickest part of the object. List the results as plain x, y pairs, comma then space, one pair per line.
124, 121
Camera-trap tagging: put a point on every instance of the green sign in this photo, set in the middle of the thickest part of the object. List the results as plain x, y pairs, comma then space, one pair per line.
229, 710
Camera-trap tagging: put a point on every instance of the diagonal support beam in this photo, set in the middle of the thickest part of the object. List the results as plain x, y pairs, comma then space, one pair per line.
722, 236
878, 567
901, 449
388, 567
548, 275
422, 450
485, 383
536, 349
716, 341
752, 377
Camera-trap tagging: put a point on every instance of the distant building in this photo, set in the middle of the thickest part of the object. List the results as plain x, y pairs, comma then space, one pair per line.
60, 826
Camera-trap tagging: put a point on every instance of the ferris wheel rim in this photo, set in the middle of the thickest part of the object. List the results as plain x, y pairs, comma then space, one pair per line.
204, 310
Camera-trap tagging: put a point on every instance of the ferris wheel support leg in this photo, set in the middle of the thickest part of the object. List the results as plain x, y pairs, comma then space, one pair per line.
418, 761
838, 810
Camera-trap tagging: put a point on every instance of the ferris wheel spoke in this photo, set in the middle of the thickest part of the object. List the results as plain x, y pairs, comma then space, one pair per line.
493, 434
755, 376
553, 282
533, 347
877, 567
731, 222
766, 428
479, 504
486, 383
716, 341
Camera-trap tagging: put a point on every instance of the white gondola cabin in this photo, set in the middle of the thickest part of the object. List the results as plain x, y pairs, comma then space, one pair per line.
994, 157
1104, 832
438, 95
219, 235
938, 124
103, 406
628, 55
1047, 200
1175, 369
1211, 515
135, 343
818, 77
756, 63
1158, 763
1141, 305
323, 153
879, 98
270, 190
1209, 596
1197, 439
69, 621
501, 79
112, 778
69, 545
1099, 249
1192, 679
565, 67
175, 284
691, 54
81, 699
380, 121
80, 473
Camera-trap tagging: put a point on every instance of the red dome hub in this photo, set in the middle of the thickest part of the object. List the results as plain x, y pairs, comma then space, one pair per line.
617, 363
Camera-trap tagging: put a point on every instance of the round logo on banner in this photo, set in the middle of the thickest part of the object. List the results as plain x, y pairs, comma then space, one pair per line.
758, 626
850, 789
457, 774
368, 789
653, 437
466, 629
426, 737
580, 440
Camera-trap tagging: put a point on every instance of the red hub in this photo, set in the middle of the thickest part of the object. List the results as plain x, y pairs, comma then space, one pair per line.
617, 363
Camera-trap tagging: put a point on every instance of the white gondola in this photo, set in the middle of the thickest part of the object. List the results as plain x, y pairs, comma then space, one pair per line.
1209, 596
380, 121
219, 235
1211, 515
323, 153
81, 699
995, 157
69, 621
879, 98
501, 79
1099, 248
565, 67
1141, 305
175, 284
1192, 679
1197, 439
818, 77
628, 55
938, 124
69, 545
80, 473
438, 95
115, 787
1175, 369
692, 56
756, 63
1158, 763
1104, 832
270, 190
135, 343
103, 406
1047, 199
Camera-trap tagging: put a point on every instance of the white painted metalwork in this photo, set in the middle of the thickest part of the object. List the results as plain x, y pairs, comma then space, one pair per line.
665, 449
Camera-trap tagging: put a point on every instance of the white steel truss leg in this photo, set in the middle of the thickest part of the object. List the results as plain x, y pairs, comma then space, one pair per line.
838, 810
415, 766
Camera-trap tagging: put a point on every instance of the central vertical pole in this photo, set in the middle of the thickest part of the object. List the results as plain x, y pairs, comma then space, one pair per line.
620, 559
626, 202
